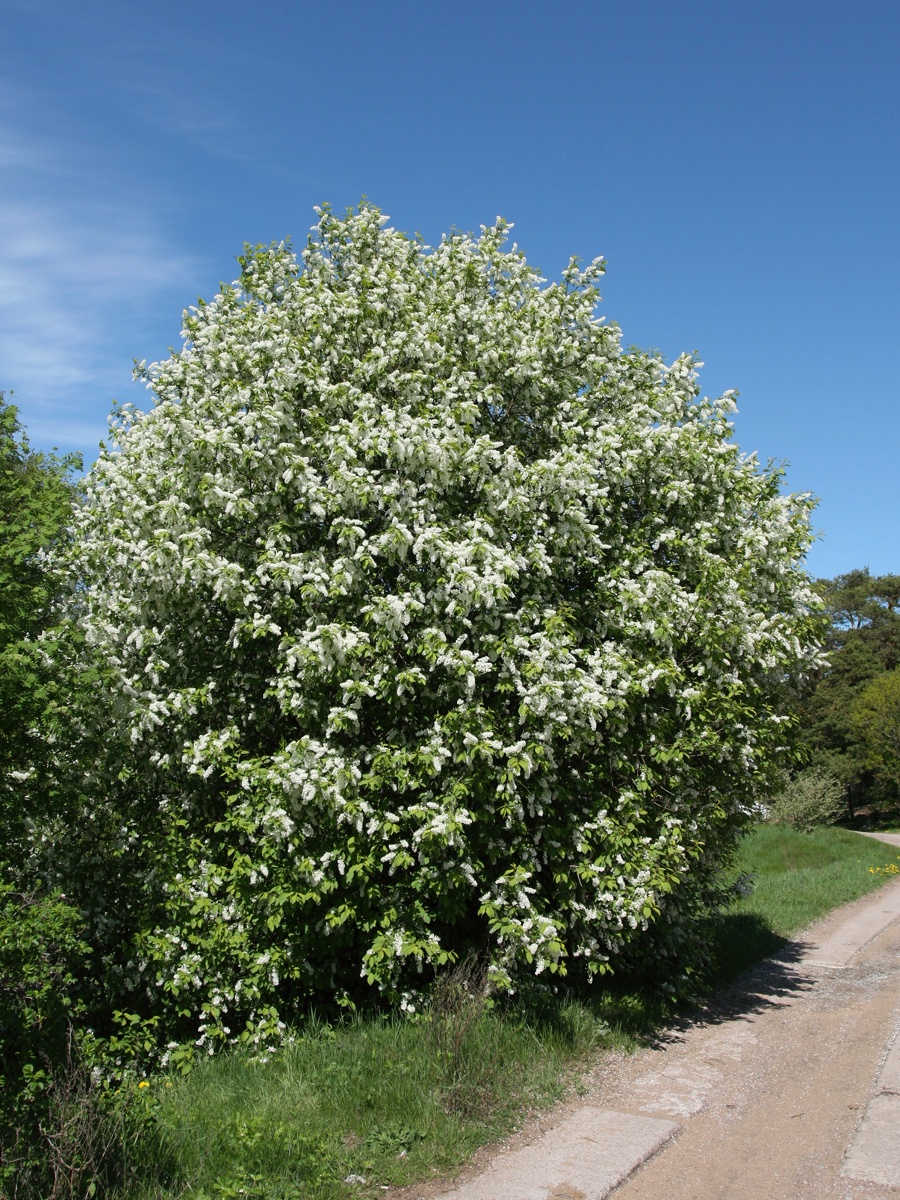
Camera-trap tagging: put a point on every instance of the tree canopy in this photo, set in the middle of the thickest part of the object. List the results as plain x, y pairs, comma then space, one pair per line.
862, 645
439, 623
875, 719
36, 496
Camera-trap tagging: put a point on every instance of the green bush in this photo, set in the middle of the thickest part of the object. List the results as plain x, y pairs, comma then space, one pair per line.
66, 1122
36, 503
44, 964
812, 798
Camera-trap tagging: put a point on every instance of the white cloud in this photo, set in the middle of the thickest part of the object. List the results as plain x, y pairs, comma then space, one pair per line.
82, 285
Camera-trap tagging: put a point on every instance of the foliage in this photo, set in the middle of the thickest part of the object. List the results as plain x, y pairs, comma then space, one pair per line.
862, 643
63, 1127
69, 1116
36, 495
35, 515
42, 960
875, 720
367, 1098
440, 624
44, 964
809, 799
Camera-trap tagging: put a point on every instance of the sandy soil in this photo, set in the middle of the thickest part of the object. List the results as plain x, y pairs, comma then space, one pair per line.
769, 1082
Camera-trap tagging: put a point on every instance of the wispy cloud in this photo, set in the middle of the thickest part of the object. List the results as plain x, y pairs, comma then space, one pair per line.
227, 138
81, 283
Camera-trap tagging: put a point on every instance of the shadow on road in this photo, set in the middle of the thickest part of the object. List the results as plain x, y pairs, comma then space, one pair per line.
750, 983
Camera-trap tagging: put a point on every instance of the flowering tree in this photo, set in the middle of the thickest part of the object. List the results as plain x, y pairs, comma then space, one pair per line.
443, 622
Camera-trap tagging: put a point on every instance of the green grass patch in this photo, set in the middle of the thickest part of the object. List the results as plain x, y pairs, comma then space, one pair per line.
799, 877
383, 1100
796, 878
392, 1101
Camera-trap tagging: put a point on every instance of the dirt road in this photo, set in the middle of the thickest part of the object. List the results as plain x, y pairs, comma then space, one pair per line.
787, 1086
772, 1087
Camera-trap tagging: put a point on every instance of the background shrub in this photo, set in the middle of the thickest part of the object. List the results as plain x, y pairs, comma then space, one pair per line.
808, 800
70, 1112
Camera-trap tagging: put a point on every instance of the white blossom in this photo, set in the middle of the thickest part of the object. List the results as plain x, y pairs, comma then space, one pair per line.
431, 599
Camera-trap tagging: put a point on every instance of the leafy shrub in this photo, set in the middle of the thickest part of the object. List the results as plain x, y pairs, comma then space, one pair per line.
812, 798
442, 624
67, 1120
42, 966
36, 497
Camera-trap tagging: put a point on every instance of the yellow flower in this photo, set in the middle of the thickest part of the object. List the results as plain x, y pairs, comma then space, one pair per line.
144, 1083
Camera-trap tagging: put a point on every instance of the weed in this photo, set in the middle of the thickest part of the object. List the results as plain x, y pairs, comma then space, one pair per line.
463, 1039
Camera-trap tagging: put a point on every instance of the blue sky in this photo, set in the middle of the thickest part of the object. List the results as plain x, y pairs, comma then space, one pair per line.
736, 164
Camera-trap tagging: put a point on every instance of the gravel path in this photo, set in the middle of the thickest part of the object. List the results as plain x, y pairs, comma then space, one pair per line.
780, 1091
787, 1085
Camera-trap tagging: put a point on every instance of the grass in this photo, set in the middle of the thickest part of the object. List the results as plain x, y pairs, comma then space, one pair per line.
380, 1101
801, 876
796, 878
384, 1100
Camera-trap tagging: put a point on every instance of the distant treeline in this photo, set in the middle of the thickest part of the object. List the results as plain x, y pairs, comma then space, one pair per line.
850, 716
